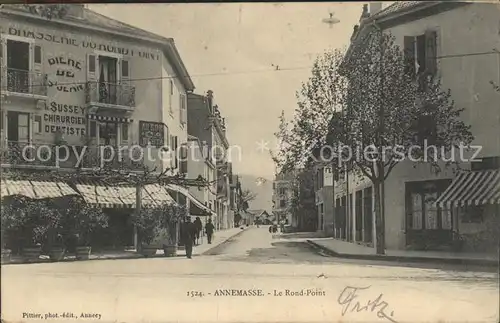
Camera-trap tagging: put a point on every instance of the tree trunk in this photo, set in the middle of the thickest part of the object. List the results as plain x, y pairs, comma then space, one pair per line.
379, 223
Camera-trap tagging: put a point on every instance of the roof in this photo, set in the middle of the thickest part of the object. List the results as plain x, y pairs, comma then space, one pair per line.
398, 7
90, 20
257, 212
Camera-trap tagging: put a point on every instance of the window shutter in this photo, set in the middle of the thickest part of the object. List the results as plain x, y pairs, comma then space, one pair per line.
170, 95
92, 67
431, 51
38, 57
176, 156
409, 55
3, 52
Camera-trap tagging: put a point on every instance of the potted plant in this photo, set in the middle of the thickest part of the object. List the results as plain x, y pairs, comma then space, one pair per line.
43, 219
148, 223
172, 214
88, 220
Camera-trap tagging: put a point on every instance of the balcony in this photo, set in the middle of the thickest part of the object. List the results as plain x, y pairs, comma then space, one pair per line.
110, 95
39, 155
23, 83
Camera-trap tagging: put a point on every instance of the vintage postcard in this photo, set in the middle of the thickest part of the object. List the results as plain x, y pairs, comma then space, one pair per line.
250, 162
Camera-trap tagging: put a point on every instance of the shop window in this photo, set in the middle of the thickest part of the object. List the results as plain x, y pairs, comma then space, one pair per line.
472, 214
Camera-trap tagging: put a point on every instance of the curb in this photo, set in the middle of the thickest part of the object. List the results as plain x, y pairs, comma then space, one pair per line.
207, 252
132, 256
454, 261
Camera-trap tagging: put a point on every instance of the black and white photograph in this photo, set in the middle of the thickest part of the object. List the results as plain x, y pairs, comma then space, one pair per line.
250, 162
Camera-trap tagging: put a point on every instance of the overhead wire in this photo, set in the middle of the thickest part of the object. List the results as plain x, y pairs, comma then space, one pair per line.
273, 69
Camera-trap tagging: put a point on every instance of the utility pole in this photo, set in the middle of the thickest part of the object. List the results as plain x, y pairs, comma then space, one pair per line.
138, 205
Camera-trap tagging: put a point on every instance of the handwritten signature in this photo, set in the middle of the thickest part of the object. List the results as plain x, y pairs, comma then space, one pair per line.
347, 299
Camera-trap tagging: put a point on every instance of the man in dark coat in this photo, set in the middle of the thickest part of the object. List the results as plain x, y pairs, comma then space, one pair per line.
187, 235
209, 230
199, 226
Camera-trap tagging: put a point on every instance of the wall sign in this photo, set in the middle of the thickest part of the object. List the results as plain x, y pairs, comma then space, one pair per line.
65, 74
152, 133
85, 44
66, 119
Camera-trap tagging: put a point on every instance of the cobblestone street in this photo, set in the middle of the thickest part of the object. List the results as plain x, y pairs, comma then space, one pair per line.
184, 290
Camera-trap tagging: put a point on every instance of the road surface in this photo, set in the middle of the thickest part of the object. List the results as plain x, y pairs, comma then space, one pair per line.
252, 278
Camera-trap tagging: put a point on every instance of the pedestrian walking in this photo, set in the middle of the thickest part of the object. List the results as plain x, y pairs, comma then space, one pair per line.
199, 226
209, 230
188, 236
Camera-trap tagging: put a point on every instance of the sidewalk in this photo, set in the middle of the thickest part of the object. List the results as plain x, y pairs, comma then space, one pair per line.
219, 238
343, 249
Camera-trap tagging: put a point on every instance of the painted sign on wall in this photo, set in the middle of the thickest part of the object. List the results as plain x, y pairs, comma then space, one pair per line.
84, 44
64, 77
152, 133
69, 120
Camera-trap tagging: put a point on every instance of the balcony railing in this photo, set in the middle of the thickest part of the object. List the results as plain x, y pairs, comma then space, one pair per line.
22, 81
23, 154
120, 94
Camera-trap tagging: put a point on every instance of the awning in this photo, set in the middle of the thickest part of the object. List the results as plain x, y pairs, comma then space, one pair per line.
196, 206
108, 118
101, 195
35, 189
472, 188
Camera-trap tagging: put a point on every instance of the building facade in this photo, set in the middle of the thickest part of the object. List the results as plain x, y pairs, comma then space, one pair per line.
324, 199
461, 41
206, 123
83, 91
79, 80
283, 192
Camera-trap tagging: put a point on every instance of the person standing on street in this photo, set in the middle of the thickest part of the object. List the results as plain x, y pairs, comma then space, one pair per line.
188, 236
199, 226
209, 230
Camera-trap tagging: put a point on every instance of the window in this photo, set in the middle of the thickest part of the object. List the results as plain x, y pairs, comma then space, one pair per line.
421, 54
183, 109
38, 55
367, 214
18, 66
282, 191
18, 127
321, 217
282, 203
124, 132
422, 212
125, 69
425, 129
93, 129
37, 124
91, 65
359, 214
173, 147
471, 214
108, 133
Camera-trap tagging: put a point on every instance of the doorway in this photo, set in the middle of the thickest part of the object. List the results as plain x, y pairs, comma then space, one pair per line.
18, 66
108, 79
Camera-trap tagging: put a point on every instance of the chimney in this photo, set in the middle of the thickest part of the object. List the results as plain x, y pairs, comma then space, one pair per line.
365, 14
375, 8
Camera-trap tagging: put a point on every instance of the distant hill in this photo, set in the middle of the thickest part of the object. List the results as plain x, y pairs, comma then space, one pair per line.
264, 191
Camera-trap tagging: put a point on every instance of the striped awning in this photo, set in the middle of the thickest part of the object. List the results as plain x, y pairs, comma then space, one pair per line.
122, 196
472, 188
109, 118
196, 206
35, 189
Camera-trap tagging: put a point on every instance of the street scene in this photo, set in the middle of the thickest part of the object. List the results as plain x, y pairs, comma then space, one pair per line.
158, 290
250, 162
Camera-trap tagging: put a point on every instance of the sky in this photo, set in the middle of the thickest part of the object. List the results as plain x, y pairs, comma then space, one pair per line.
242, 43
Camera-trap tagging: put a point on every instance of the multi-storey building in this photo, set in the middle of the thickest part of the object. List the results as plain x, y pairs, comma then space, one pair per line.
77, 79
205, 122
323, 186
459, 43
283, 192
199, 164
